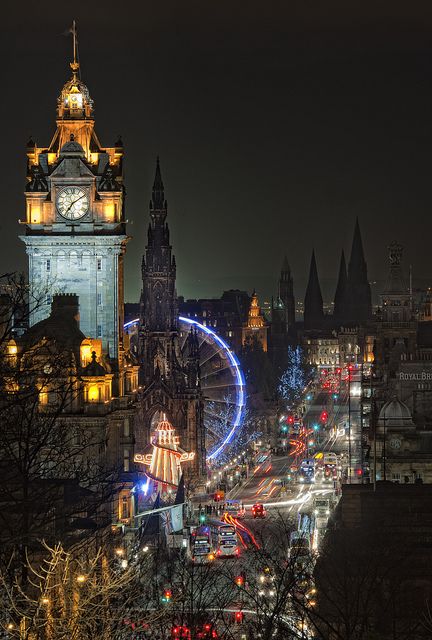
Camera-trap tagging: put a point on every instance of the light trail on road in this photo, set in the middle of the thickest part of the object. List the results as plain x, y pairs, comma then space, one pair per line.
240, 528
294, 501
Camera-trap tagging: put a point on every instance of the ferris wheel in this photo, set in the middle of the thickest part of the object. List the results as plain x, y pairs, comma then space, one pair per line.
222, 385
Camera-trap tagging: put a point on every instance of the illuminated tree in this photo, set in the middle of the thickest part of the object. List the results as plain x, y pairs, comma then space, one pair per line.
294, 379
80, 594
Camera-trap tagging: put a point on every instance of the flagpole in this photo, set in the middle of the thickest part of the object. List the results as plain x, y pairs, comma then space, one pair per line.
74, 40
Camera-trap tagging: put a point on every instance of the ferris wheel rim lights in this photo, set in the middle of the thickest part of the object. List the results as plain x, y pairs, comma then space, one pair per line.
240, 380
238, 372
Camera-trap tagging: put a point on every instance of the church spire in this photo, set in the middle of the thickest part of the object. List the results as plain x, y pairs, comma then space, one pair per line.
158, 195
313, 302
340, 299
357, 261
360, 305
286, 292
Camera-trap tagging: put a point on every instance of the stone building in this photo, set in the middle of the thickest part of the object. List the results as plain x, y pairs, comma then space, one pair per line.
396, 327
400, 451
255, 328
225, 315
169, 375
76, 388
74, 227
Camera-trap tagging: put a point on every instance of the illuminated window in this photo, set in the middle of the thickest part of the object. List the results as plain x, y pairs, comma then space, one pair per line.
12, 348
93, 393
125, 512
43, 397
126, 428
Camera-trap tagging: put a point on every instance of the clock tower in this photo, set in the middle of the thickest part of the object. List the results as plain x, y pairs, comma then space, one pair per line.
75, 232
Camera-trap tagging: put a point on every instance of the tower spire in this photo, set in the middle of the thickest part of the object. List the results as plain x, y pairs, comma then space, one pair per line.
313, 303
360, 304
158, 194
286, 292
340, 299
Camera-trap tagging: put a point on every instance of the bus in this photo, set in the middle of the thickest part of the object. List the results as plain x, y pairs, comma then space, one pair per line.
307, 471
330, 464
224, 540
299, 551
201, 545
321, 508
235, 508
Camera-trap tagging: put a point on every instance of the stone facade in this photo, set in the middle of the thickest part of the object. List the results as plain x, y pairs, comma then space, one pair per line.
169, 371
75, 232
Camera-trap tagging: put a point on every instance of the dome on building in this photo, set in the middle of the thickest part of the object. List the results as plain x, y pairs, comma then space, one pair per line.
72, 148
74, 100
395, 413
93, 369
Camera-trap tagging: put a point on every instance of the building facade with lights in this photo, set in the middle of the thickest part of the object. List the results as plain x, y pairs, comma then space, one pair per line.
255, 328
74, 227
75, 238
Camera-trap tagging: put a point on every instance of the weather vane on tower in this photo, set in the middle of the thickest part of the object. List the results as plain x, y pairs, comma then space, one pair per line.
73, 30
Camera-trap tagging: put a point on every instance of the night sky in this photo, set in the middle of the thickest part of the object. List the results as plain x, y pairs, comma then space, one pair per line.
277, 123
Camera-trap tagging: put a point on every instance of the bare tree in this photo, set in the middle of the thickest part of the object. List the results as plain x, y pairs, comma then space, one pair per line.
78, 594
55, 481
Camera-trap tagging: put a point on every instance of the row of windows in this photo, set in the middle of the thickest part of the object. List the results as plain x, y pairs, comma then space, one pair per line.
396, 477
48, 301
98, 263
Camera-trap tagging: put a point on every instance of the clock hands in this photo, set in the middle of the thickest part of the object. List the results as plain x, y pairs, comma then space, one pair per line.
74, 202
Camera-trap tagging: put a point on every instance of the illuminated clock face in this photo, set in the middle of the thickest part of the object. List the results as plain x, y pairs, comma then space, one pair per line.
72, 203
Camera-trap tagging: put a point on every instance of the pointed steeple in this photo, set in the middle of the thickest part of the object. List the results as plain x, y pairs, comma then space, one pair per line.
158, 196
360, 305
286, 292
357, 260
313, 302
340, 299
158, 309
286, 269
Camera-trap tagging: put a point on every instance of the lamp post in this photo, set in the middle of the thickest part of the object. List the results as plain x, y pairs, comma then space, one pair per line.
384, 450
349, 425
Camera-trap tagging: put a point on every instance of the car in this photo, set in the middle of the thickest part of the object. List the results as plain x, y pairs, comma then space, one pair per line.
258, 510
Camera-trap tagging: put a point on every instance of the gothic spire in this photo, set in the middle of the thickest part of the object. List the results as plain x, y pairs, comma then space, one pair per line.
286, 269
357, 263
340, 299
286, 292
313, 303
158, 195
360, 305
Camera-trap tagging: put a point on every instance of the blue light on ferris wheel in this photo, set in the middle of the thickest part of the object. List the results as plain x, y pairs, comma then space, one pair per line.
238, 373
240, 381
